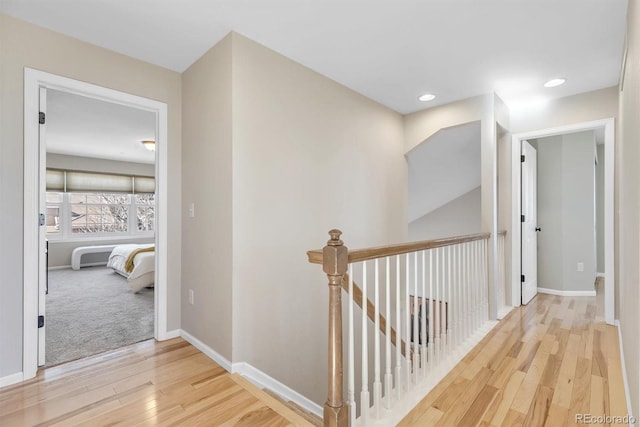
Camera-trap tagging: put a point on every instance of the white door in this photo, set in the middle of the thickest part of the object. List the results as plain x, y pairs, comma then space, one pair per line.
529, 223
42, 256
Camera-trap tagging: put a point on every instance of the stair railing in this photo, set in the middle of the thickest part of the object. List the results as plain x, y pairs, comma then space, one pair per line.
435, 299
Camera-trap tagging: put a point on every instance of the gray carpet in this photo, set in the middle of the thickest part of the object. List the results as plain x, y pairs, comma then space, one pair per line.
93, 310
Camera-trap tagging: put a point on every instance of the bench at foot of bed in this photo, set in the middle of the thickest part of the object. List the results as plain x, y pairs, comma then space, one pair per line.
77, 253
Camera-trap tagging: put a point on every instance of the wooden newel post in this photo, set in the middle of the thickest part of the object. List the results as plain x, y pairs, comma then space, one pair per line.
335, 257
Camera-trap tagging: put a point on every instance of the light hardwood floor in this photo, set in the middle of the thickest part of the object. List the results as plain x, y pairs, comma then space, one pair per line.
169, 383
542, 365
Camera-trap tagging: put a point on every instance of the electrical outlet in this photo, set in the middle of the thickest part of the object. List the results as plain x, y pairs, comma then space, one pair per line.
581, 266
191, 296
192, 210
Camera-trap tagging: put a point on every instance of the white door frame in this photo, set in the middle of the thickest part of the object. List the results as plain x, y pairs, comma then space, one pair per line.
33, 80
609, 176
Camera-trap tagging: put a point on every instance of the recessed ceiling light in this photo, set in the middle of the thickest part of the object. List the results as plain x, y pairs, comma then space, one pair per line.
426, 97
555, 82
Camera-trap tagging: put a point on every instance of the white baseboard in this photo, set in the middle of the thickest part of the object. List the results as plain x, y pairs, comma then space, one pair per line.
502, 312
624, 372
208, 351
11, 379
567, 293
65, 267
173, 334
600, 275
262, 380
256, 376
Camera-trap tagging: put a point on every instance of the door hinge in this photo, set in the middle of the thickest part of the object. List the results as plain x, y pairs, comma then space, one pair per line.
521, 218
522, 158
522, 278
40, 321
41, 117
41, 220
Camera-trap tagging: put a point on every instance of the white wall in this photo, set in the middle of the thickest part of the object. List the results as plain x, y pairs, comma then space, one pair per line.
628, 206
308, 155
566, 211
26, 45
600, 209
458, 217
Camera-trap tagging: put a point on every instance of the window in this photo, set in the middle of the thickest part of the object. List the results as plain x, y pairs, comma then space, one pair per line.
95, 214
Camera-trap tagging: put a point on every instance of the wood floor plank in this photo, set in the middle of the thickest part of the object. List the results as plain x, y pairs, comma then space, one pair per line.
542, 363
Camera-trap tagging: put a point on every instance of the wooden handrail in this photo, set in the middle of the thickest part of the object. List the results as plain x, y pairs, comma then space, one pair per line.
315, 256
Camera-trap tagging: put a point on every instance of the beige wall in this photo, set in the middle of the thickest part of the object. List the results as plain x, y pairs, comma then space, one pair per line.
207, 239
25, 45
600, 209
628, 159
308, 155
456, 218
584, 107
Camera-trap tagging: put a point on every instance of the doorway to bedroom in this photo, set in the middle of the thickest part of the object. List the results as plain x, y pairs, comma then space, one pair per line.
100, 221
99, 209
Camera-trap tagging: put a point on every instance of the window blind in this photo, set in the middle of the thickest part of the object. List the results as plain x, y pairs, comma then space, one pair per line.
97, 182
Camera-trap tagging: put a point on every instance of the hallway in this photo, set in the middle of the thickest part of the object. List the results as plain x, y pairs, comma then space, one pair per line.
542, 365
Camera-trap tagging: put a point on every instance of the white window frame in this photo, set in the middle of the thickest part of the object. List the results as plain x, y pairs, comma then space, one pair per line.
66, 234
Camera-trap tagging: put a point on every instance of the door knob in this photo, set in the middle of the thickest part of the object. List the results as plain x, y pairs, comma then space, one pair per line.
538, 229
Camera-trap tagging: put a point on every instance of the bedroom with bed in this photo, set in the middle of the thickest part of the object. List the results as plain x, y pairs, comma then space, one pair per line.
99, 225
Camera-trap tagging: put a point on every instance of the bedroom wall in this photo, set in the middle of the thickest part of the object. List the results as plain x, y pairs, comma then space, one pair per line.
63, 161
207, 238
325, 158
26, 45
60, 251
566, 211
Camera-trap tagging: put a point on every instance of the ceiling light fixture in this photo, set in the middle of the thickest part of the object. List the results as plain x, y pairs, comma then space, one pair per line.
426, 97
555, 82
149, 145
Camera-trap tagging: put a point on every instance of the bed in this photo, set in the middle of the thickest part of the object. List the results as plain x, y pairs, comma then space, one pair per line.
136, 263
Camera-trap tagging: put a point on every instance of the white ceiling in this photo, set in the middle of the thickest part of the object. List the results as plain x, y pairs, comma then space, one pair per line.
87, 127
390, 51
443, 168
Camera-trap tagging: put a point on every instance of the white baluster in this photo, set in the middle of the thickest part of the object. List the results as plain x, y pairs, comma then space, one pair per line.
377, 385
407, 326
398, 373
447, 312
467, 305
423, 312
474, 282
388, 378
364, 393
414, 335
485, 278
436, 303
431, 312
351, 388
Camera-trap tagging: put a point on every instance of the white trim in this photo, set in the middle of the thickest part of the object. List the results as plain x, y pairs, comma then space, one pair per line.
567, 293
253, 374
598, 274
173, 334
88, 264
624, 373
502, 313
208, 351
609, 208
33, 81
11, 379
262, 380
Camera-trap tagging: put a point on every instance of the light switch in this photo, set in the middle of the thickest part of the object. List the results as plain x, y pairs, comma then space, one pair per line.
192, 210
